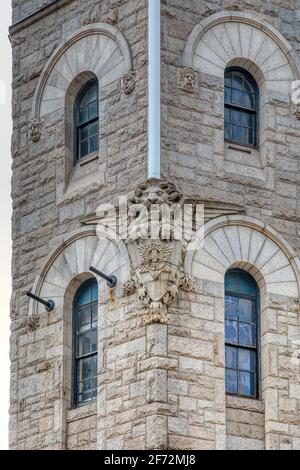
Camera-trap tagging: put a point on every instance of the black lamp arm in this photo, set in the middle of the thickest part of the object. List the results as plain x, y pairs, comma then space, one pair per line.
48, 304
111, 280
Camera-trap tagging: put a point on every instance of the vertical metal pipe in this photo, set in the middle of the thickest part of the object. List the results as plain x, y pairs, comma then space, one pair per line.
154, 88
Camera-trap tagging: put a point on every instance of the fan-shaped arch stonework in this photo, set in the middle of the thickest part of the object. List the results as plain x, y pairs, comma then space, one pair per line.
72, 260
240, 241
99, 48
226, 36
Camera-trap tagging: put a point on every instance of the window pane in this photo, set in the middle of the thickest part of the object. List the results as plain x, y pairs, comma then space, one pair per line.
94, 313
237, 117
237, 81
237, 133
247, 384
84, 133
93, 129
84, 344
247, 336
94, 334
94, 143
247, 360
84, 148
83, 115
93, 110
93, 93
248, 100
84, 319
246, 308
228, 131
85, 391
247, 86
231, 332
248, 119
237, 97
231, 357
231, 381
95, 366
227, 115
231, 307
227, 95
228, 80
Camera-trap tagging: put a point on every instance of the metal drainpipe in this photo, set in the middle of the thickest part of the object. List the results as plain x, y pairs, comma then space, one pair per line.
154, 88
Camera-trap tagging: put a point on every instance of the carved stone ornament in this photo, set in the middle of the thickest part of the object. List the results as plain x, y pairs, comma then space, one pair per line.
32, 322
296, 110
128, 288
156, 260
35, 130
128, 83
156, 191
186, 284
155, 256
113, 16
188, 80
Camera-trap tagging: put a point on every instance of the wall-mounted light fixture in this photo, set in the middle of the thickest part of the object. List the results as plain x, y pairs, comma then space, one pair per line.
111, 280
48, 304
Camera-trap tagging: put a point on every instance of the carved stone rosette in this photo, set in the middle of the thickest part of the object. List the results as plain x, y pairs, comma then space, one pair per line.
128, 83
188, 80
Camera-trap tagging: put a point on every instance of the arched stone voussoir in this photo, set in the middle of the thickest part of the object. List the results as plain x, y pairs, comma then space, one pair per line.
244, 242
216, 43
98, 48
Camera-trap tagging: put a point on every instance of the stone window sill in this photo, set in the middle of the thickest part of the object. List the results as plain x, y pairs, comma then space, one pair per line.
89, 159
83, 411
242, 403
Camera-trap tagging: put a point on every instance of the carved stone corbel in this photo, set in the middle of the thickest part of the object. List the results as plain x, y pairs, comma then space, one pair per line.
128, 83
32, 322
296, 110
128, 288
113, 16
188, 80
35, 130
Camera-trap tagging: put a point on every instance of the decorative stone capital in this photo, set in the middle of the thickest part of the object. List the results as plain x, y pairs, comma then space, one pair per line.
35, 130
113, 16
128, 83
188, 80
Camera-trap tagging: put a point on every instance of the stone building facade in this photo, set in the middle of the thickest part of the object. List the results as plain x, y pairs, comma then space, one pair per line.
161, 334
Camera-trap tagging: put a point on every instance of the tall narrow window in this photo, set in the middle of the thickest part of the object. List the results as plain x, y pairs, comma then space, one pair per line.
87, 121
241, 107
241, 334
85, 343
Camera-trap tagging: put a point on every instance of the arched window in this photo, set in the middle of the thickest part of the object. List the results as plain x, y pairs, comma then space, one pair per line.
241, 107
85, 343
87, 121
241, 333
